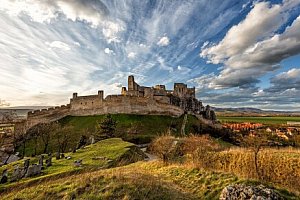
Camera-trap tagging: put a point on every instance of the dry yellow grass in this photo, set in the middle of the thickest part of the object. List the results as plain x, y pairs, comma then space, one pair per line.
142, 180
278, 166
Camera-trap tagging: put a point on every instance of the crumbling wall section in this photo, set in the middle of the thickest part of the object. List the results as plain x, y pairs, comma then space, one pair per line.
47, 115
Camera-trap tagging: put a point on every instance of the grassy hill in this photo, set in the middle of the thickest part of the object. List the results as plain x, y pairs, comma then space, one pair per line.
133, 128
106, 153
142, 180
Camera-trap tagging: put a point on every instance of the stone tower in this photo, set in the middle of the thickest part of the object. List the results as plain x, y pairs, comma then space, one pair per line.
131, 83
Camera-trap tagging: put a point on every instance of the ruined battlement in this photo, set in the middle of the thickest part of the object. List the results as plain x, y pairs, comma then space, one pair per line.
134, 99
47, 110
47, 115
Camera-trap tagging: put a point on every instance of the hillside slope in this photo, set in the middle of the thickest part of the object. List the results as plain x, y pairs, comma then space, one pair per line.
138, 129
104, 154
142, 180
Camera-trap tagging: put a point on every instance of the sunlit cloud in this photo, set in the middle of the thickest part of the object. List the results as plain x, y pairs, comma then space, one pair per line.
249, 50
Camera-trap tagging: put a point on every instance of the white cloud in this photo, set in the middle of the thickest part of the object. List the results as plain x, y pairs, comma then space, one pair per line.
291, 74
77, 44
164, 41
39, 11
163, 65
131, 55
183, 70
251, 48
3, 103
262, 21
108, 51
94, 13
59, 45
111, 31
286, 82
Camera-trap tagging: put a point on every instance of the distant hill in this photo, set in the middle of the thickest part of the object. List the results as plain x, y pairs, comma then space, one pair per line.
25, 107
248, 111
21, 111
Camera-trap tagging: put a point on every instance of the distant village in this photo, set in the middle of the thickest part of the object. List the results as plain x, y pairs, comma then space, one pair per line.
284, 131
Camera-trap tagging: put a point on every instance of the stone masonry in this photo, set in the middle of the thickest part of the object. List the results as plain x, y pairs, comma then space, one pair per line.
134, 99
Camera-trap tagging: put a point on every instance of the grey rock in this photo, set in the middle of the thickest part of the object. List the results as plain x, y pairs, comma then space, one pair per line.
41, 160
77, 163
4, 177
26, 163
49, 161
68, 157
17, 173
57, 155
33, 170
243, 192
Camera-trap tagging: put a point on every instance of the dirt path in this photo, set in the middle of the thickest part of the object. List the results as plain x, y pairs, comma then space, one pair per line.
151, 157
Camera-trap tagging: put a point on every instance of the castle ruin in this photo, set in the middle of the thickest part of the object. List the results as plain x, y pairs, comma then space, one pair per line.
134, 99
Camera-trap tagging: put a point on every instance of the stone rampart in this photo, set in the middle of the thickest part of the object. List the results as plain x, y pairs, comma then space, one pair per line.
115, 104
136, 100
47, 115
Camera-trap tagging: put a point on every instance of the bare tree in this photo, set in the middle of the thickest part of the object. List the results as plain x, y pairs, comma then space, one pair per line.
62, 135
256, 144
20, 136
46, 130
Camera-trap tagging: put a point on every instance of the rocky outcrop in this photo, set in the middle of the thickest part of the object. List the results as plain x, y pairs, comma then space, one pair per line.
243, 192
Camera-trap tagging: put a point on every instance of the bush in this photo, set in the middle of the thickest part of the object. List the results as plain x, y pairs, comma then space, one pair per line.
163, 147
169, 148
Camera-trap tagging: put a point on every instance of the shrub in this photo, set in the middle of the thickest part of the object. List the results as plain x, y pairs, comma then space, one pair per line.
169, 148
163, 147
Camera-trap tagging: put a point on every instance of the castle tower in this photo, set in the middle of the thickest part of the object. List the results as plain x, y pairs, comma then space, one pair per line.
75, 95
180, 90
100, 94
131, 83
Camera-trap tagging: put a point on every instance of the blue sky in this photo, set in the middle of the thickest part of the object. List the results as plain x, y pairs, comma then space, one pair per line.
236, 53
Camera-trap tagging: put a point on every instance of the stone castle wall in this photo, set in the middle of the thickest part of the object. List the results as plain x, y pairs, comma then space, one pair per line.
136, 100
124, 104
95, 105
47, 115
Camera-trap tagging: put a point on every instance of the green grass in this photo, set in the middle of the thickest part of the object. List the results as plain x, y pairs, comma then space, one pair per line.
142, 180
105, 153
137, 129
263, 120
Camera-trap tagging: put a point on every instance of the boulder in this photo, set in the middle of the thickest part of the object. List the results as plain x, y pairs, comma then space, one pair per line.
49, 161
33, 170
17, 173
4, 177
41, 160
243, 192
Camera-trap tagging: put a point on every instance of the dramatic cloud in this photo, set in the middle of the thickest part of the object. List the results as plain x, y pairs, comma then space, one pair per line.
251, 49
50, 49
285, 81
93, 12
262, 21
164, 41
